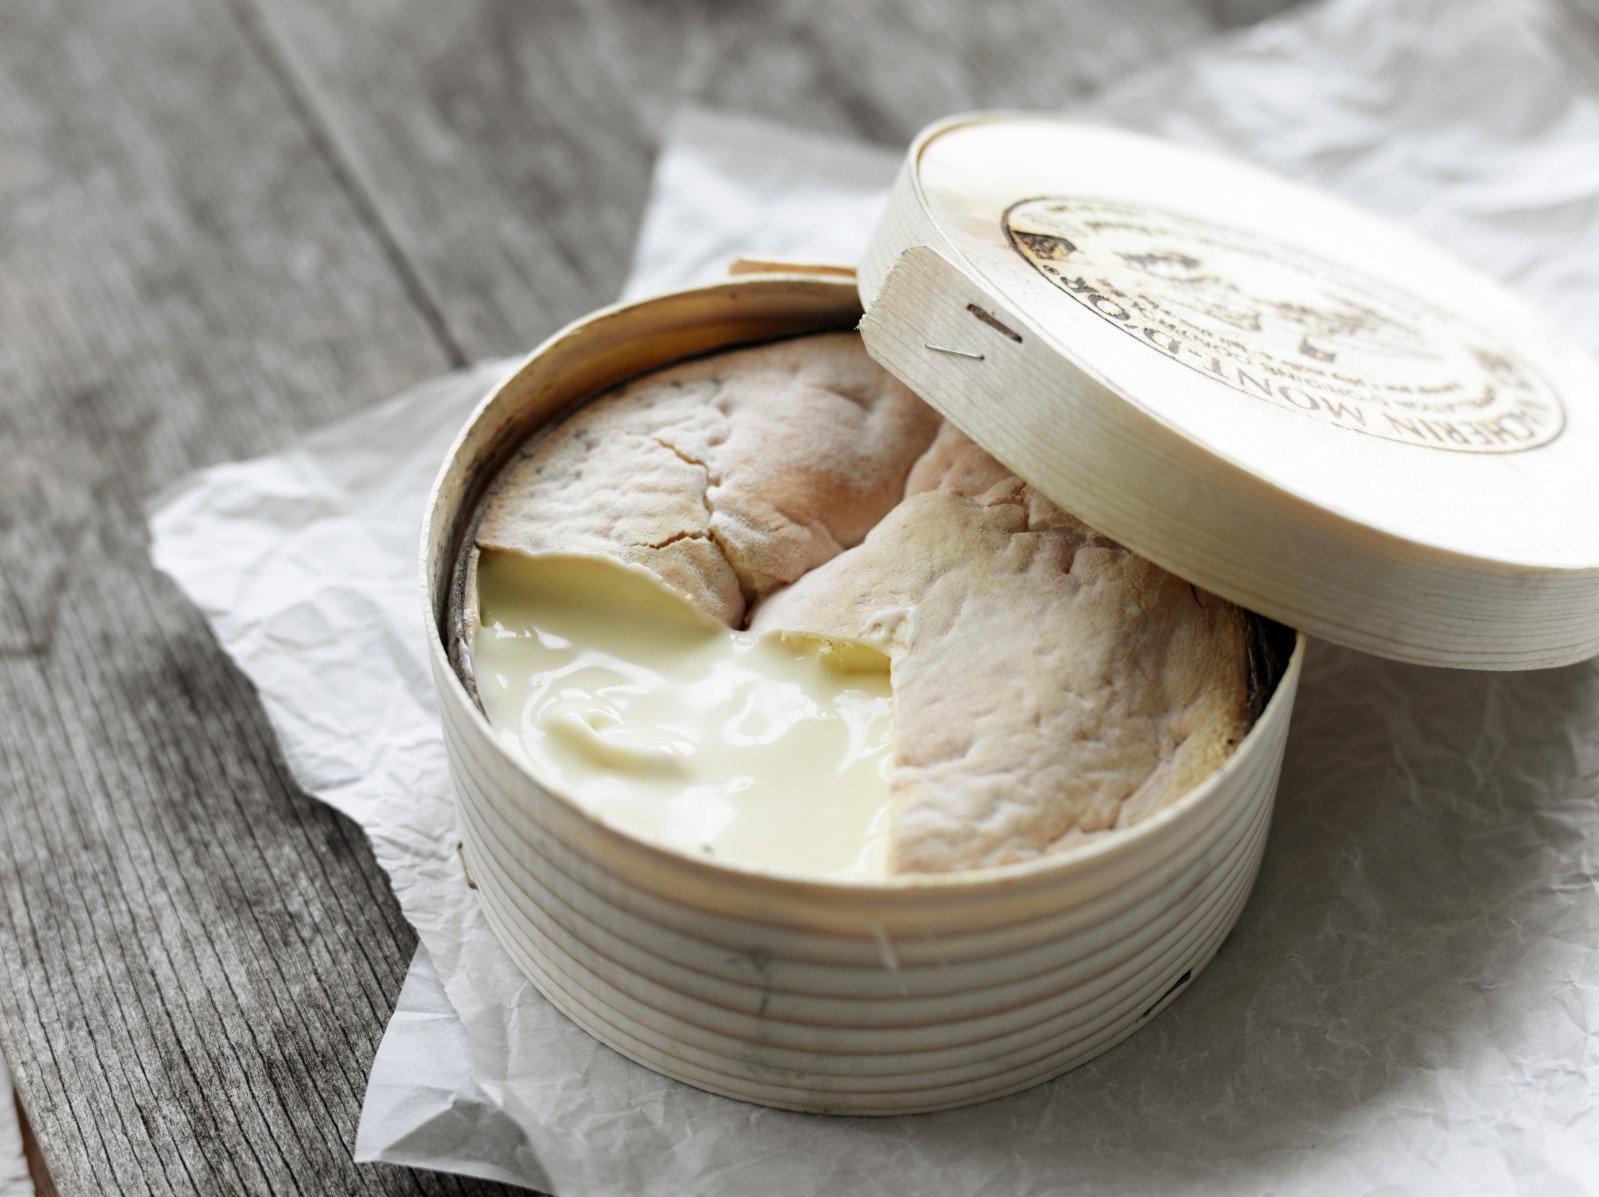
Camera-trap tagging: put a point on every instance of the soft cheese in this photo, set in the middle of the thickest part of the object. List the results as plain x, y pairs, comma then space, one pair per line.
1048, 684
628, 699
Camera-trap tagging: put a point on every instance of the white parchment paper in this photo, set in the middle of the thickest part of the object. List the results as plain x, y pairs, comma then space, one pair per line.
1409, 1001
14, 1181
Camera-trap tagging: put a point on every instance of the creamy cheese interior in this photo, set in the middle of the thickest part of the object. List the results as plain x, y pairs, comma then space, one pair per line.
624, 697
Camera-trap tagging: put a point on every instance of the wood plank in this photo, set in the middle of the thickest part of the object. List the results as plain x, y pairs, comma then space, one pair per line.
224, 223
507, 145
199, 960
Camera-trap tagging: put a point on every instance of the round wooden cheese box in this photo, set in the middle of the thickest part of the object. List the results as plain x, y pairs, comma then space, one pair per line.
1092, 310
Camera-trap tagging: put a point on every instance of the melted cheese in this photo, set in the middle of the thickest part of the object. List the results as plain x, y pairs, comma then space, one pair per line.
620, 695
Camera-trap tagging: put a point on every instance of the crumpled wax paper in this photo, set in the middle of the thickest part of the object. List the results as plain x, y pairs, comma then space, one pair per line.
1408, 1003
14, 1180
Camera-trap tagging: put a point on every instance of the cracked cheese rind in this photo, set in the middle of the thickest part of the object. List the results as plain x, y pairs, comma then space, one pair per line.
728, 477
1048, 684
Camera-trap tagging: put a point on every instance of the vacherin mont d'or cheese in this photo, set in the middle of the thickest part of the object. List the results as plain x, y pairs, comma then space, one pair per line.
688, 590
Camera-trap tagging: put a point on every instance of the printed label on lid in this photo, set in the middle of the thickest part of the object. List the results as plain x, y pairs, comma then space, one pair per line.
1285, 327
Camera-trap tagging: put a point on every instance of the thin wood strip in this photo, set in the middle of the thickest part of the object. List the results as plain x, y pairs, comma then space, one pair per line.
850, 992
841, 1057
1110, 1028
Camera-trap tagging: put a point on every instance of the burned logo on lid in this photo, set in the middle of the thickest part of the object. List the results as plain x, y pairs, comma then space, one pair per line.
1287, 327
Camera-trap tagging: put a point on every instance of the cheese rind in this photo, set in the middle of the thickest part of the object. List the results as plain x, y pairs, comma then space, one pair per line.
728, 476
1049, 685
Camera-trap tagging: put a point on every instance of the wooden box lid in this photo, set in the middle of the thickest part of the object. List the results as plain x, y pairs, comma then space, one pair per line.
1272, 394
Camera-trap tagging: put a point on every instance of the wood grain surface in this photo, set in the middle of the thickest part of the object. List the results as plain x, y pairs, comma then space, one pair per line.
223, 223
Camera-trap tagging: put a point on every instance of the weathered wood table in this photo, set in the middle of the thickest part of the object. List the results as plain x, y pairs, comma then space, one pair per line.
223, 223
